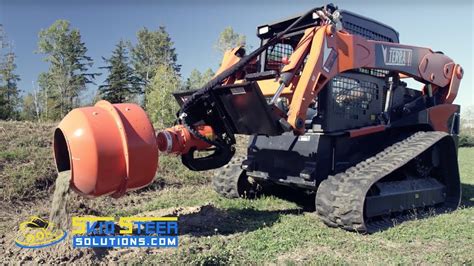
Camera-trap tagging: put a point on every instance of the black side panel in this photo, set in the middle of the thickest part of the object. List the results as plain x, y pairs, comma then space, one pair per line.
238, 109
290, 158
245, 108
307, 160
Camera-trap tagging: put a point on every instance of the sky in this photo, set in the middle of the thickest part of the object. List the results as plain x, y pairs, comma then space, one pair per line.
194, 27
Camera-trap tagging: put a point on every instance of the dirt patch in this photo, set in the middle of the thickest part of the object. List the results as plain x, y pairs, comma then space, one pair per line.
198, 220
193, 218
303, 256
62, 252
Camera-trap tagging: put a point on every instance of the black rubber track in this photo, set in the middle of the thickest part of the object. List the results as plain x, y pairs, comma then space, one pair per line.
226, 179
340, 199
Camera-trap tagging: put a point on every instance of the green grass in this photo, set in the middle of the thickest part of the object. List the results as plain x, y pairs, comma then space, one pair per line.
466, 168
26, 160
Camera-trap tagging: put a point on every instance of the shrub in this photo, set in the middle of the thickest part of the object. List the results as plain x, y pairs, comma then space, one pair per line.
466, 140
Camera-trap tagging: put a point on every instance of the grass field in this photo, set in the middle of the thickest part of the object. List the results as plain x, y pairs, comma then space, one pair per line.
215, 230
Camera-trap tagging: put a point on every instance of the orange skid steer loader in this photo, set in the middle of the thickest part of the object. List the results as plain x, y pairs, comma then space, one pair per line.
325, 103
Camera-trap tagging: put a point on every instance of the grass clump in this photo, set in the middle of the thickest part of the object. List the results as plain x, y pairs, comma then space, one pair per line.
27, 167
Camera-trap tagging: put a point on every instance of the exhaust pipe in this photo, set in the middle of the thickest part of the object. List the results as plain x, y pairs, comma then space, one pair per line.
112, 148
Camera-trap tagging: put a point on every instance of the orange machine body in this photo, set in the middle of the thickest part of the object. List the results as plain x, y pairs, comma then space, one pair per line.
326, 52
178, 140
109, 148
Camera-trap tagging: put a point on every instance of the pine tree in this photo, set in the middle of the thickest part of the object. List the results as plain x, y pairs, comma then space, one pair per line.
9, 92
28, 108
197, 80
68, 71
121, 83
48, 97
153, 49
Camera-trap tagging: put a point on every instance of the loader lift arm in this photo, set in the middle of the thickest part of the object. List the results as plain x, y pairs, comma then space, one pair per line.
330, 52
320, 55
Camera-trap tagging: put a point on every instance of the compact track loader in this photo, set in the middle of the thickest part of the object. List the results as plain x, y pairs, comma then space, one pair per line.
329, 113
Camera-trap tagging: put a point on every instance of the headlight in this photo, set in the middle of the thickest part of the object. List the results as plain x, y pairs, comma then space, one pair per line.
263, 30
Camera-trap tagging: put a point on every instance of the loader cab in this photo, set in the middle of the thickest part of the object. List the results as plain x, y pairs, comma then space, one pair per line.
350, 100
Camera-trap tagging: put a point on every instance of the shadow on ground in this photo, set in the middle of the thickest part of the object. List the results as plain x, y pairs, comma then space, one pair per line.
467, 198
210, 220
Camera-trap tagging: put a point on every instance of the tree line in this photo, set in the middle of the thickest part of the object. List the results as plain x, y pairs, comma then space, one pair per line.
145, 73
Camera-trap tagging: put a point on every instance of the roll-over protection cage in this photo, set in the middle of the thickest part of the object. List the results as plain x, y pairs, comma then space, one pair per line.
352, 99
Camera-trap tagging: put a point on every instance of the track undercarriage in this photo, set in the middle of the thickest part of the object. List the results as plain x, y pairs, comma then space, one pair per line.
410, 179
407, 180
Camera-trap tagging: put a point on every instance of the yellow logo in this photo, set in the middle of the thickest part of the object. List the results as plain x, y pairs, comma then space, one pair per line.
37, 233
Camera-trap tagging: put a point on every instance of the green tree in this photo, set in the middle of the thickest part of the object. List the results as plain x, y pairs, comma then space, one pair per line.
48, 97
160, 103
97, 97
197, 80
121, 83
9, 92
467, 120
229, 39
153, 48
29, 107
68, 71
